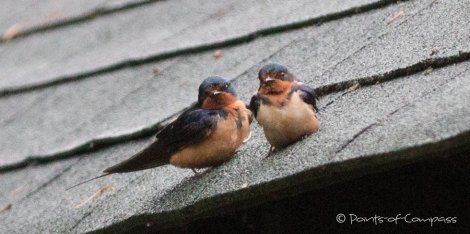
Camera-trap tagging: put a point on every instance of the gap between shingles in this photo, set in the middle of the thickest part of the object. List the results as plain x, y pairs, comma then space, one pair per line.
87, 16
378, 121
198, 49
363, 81
100, 143
421, 66
91, 146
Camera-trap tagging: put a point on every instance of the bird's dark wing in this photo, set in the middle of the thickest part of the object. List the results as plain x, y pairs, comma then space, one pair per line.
307, 94
256, 101
255, 104
191, 127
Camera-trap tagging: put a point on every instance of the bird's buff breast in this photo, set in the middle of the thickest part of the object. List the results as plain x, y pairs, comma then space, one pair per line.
289, 123
220, 145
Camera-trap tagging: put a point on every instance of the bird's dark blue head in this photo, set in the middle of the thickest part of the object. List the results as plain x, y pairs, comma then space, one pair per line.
275, 71
213, 86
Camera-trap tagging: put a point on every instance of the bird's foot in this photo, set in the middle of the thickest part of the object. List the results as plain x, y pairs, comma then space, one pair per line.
271, 152
198, 174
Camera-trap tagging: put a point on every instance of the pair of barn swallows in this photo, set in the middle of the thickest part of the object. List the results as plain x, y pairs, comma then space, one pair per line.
209, 133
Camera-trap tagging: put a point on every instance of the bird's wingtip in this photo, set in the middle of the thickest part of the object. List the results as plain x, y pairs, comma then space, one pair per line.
103, 175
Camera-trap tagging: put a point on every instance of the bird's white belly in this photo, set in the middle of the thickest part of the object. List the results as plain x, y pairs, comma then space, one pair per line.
289, 123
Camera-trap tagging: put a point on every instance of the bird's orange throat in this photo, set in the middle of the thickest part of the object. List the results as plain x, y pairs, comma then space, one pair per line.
218, 101
275, 87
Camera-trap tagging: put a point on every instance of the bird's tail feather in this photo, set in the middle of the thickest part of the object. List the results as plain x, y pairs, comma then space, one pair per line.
152, 156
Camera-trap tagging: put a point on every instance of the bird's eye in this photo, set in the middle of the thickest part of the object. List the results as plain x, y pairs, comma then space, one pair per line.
282, 74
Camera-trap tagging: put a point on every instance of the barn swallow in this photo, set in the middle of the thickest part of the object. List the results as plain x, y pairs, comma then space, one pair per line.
206, 135
284, 107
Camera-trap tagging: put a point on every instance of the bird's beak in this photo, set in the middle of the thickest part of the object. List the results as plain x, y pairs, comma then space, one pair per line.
268, 79
216, 93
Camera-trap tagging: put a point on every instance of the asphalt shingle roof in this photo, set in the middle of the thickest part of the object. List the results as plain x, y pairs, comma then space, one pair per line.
83, 96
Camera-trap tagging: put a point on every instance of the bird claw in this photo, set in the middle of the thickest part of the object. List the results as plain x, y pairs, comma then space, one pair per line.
196, 172
271, 152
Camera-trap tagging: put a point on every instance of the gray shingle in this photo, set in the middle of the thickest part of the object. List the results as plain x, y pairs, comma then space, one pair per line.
158, 29
32, 14
401, 113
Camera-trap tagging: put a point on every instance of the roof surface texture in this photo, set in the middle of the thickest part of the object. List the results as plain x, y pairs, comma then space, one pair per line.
86, 84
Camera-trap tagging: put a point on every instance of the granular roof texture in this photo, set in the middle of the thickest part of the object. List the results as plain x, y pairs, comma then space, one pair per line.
87, 84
